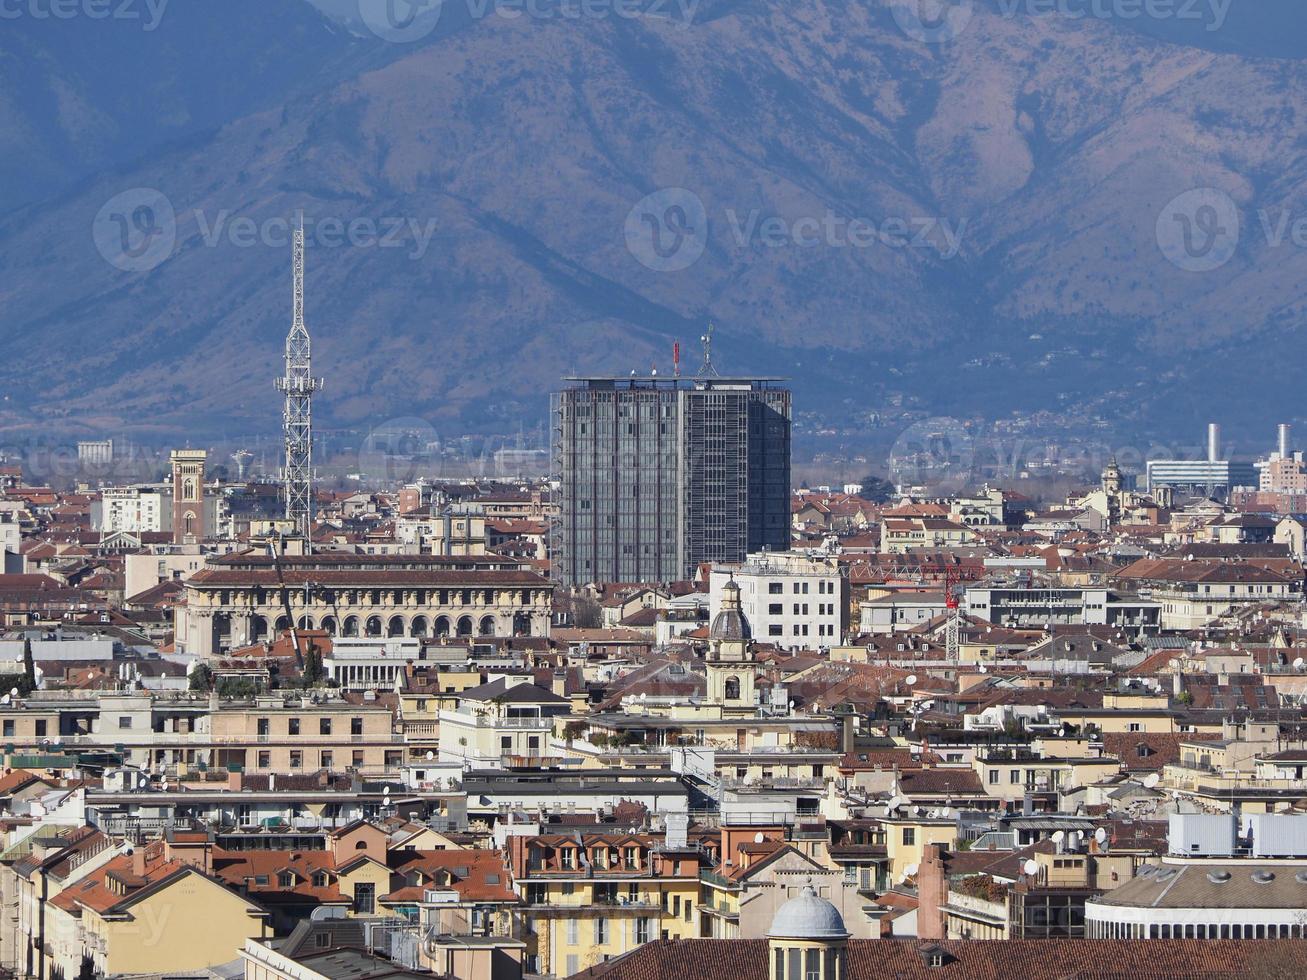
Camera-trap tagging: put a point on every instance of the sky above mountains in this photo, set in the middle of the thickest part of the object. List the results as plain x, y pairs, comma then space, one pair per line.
975, 210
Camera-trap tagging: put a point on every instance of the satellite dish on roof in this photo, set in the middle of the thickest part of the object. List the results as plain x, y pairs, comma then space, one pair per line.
430, 755
1151, 780
1030, 867
13, 692
758, 838
1298, 663
1100, 835
909, 680
1058, 837
984, 669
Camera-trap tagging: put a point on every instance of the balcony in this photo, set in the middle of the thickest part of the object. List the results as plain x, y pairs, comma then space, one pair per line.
491, 721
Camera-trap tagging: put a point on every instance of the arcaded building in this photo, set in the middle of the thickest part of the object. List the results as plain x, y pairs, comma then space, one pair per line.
247, 598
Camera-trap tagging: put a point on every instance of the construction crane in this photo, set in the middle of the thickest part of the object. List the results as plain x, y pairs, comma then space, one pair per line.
953, 628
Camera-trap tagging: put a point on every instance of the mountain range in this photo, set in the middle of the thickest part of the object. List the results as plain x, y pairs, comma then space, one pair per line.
1097, 216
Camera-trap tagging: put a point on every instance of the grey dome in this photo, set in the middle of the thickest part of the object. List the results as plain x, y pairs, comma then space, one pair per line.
729, 623
808, 916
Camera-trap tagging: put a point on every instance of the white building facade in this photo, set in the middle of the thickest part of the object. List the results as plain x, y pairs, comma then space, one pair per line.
791, 599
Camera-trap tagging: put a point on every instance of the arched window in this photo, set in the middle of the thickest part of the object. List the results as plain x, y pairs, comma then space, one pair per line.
732, 688
487, 626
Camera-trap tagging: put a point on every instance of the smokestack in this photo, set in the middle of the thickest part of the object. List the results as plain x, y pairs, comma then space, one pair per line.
1213, 442
1284, 441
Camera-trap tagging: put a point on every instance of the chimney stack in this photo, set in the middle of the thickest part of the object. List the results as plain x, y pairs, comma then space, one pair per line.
1213, 442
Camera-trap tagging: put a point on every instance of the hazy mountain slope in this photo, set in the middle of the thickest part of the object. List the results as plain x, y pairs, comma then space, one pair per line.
1052, 143
81, 94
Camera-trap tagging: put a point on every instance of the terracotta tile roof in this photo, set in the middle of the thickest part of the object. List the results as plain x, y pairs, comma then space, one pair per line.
477, 876
116, 884
1037, 959
1148, 750
314, 874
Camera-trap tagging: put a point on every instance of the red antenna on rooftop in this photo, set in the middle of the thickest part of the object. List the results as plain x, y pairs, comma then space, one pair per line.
676, 359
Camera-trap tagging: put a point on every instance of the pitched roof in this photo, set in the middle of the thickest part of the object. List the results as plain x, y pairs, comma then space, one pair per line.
992, 959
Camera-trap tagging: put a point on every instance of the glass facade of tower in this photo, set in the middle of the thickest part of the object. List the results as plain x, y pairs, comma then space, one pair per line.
654, 476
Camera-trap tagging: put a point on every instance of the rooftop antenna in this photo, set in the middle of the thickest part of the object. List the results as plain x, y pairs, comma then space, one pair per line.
298, 384
676, 359
707, 370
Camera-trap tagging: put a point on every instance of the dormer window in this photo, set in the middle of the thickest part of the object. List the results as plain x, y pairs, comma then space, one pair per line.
286, 879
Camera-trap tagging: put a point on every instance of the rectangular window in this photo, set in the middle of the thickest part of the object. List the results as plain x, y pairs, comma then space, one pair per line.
124, 721
909, 836
263, 726
293, 726
40, 728
571, 935
356, 726
324, 726
365, 894
297, 759
326, 760
9, 728
601, 932
265, 760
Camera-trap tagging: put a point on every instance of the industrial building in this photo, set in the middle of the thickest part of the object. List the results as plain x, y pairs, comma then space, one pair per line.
1210, 476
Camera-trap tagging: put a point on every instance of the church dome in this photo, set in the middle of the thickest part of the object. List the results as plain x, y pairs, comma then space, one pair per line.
808, 916
729, 623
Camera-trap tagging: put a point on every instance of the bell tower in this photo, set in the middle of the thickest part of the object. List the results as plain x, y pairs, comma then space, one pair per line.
731, 664
188, 523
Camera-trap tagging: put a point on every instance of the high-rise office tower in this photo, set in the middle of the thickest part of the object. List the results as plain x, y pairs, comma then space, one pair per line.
656, 475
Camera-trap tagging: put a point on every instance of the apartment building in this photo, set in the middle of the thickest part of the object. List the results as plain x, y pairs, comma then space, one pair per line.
589, 897
794, 600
